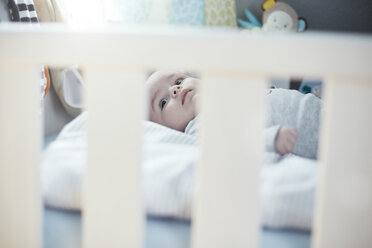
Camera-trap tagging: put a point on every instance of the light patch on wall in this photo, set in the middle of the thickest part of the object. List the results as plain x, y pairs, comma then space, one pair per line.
84, 12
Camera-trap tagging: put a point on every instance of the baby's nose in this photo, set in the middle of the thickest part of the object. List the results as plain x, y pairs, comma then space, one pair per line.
175, 89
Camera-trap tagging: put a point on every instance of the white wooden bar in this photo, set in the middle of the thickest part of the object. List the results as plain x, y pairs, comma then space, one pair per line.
344, 202
113, 214
20, 146
343, 215
227, 204
275, 54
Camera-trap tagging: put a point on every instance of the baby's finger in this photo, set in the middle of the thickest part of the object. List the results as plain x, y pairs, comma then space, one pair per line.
294, 140
288, 147
294, 135
294, 132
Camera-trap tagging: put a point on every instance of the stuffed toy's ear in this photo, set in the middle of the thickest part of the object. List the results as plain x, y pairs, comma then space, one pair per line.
302, 24
267, 4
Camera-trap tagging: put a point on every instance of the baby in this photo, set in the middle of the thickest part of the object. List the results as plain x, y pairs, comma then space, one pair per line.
293, 118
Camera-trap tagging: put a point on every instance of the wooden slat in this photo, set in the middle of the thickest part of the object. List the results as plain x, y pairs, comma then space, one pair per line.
344, 202
20, 145
113, 214
227, 206
279, 54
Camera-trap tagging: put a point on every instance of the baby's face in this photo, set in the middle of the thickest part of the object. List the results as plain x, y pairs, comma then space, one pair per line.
172, 99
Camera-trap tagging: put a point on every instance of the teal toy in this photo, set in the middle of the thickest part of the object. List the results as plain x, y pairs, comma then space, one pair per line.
252, 21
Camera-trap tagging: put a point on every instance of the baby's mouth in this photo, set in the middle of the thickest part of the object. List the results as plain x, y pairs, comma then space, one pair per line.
183, 95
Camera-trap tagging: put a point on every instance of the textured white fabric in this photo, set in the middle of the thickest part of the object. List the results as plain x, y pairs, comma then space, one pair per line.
287, 191
169, 157
167, 165
62, 166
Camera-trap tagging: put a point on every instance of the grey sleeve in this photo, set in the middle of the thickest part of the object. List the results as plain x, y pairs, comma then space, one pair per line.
308, 120
270, 135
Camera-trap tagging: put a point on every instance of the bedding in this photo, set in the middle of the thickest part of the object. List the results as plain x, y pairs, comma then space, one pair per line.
168, 161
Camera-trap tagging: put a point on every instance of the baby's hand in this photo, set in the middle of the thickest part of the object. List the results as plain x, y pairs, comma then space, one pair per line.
286, 140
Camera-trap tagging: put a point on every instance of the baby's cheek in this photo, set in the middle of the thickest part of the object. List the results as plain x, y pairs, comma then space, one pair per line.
172, 113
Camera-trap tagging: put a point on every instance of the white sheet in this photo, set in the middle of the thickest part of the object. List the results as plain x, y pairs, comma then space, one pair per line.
287, 184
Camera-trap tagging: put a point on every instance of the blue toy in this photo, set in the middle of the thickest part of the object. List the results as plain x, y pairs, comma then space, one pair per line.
252, 23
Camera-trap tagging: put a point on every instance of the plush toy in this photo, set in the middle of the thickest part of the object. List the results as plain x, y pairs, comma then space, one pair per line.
277, 16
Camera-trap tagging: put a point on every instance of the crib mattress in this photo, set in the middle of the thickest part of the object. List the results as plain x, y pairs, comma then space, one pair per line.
62, 229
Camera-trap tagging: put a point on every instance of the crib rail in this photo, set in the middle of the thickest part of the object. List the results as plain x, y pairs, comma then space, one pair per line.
115, 61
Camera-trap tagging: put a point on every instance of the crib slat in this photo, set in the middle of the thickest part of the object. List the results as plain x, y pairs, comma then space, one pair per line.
20, 145
344, 201
113, 215
227, 203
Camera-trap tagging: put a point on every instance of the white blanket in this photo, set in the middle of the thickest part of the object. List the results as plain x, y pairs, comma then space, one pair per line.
287, 184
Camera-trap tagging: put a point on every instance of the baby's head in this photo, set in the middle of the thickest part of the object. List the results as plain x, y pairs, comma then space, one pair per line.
172, 99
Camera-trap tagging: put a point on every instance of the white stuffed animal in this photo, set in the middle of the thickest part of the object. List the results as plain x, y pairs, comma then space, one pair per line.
280, 17
277, 16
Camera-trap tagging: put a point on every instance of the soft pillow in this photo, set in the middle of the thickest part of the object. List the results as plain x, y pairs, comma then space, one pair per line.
187, 12
220, 13
51, 10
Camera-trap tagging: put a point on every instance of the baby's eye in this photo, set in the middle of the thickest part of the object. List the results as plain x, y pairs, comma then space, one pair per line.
162, 103
179, 81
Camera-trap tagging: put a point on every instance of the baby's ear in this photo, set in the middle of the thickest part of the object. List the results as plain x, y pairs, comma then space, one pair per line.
302, 24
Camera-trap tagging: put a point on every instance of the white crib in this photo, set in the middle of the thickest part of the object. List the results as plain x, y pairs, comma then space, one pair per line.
235, 68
